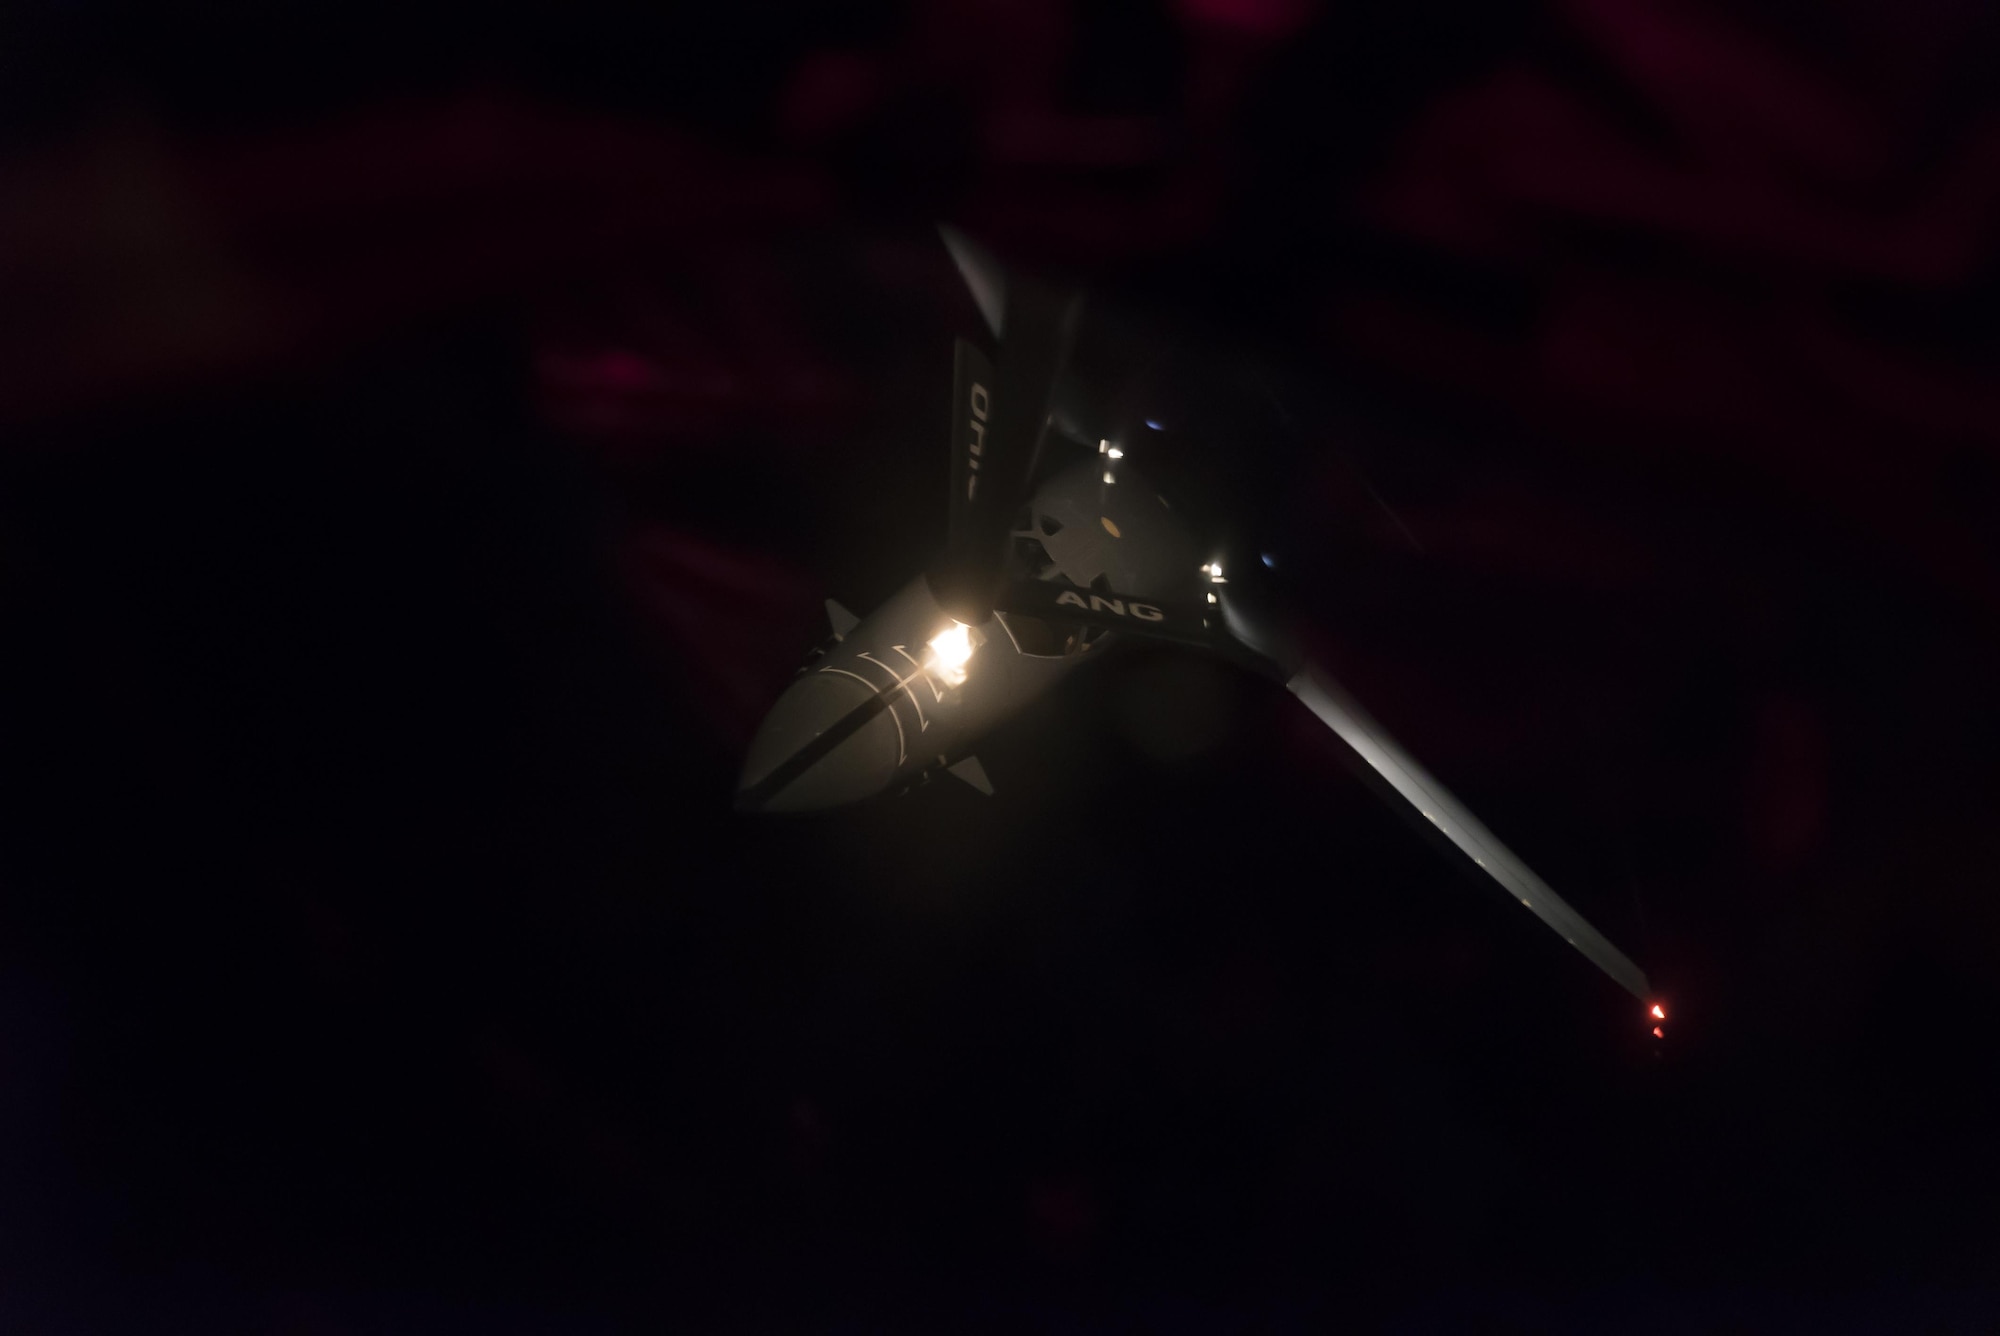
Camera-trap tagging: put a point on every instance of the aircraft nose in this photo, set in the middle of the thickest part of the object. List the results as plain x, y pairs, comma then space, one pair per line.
830, 740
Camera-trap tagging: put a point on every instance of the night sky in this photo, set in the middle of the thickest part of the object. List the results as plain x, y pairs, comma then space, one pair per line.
425, 447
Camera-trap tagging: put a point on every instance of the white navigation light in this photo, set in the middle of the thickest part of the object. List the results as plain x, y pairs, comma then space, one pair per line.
1104, 447
1115, 452
951, 650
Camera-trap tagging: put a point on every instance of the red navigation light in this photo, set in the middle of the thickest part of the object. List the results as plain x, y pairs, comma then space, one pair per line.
1659, 1012
1658, 1033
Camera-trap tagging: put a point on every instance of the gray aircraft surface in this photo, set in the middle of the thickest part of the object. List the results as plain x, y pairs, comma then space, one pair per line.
1034, 582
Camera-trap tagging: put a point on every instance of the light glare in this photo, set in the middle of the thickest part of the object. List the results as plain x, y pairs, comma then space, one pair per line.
951, 650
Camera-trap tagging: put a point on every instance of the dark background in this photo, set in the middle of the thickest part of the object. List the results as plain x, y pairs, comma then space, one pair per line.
426, 434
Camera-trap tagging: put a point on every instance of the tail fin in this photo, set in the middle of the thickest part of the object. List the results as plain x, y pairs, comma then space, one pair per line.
972, 773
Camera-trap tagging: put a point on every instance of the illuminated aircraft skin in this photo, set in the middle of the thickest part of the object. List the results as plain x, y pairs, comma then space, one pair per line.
924, 720
1093, 555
